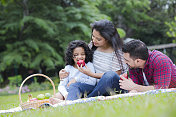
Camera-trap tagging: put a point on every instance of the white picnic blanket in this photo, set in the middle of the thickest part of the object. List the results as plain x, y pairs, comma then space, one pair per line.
98, 98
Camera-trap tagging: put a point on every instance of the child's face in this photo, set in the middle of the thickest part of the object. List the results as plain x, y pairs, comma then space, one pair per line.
97, 39
78, 54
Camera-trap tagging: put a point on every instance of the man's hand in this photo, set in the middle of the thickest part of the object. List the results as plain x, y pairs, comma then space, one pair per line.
72, 81
85, 70
127, 84
63, 74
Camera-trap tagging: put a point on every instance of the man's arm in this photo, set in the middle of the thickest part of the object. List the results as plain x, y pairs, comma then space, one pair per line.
129, 85
141, 88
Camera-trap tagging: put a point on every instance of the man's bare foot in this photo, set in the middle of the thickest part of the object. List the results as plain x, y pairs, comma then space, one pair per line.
53, 100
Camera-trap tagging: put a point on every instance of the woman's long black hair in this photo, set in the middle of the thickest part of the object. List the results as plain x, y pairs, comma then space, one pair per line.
109, 32
69, 52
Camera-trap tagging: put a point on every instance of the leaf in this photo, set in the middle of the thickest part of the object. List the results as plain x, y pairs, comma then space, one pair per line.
31, 43
121, 32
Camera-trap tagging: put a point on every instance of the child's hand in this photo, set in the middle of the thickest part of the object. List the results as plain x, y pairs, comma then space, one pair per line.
85, 70
63, 74
72, 81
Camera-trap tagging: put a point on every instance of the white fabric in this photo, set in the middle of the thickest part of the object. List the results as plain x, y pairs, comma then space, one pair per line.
104, 62
145, 79
16, 109
79, 77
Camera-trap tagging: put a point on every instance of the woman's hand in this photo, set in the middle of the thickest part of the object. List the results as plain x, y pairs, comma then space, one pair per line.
85, 70
63, 74
71, 81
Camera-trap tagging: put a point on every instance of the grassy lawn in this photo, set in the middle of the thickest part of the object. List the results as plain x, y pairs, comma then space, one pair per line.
159, 105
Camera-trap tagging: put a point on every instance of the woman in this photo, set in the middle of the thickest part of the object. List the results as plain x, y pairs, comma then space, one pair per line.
107, 60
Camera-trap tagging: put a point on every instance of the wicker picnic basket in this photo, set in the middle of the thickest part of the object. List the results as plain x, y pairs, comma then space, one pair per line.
37, 103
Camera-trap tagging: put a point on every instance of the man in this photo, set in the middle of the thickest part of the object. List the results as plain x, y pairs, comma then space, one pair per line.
148, 70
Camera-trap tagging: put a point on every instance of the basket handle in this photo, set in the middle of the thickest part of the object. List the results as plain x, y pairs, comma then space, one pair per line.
31, 77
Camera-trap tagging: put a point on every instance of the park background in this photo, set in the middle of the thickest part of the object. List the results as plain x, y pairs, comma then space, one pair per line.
35, 33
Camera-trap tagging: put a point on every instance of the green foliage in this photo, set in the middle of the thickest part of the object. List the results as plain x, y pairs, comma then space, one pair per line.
34, 34
35, 86
172, 29
121, 32
1, 78
141, 19
56, 80
42, 24
15, 80
39, 87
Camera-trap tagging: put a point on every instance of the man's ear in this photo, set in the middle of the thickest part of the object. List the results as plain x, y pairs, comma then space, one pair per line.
138, 61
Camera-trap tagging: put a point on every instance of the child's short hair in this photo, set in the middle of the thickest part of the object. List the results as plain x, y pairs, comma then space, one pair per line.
74, 44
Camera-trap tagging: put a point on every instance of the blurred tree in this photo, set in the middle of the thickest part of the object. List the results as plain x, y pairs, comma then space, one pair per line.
142, 19
35, 33
172, 29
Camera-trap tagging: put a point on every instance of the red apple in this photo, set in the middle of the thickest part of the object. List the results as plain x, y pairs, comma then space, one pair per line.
125, 75
81, 62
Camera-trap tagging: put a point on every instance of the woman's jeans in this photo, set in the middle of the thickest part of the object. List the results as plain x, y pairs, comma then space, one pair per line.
108, 85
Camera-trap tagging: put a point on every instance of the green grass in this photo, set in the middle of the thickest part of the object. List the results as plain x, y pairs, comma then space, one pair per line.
159, 105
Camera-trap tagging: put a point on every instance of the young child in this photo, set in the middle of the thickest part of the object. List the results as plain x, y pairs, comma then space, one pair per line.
77, 50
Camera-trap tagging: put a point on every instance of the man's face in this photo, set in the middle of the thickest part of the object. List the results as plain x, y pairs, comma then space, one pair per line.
129, 61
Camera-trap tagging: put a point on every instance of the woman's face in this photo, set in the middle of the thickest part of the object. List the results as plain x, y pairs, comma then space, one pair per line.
78, 54
97, 39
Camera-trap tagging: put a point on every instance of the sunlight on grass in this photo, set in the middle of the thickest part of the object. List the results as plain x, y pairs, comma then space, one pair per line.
159, 105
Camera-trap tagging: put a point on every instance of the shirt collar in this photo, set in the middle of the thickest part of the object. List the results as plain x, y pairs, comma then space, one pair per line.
147, 62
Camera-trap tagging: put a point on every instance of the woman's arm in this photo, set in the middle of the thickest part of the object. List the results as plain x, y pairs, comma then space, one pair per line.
99, 75
62, 87
63, 74
119, 72
63, 82
88, 72
85, 78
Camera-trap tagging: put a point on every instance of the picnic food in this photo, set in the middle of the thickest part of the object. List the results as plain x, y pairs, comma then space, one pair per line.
81, 62
41, 97
30, 96
47, 95
30, 99
37, 103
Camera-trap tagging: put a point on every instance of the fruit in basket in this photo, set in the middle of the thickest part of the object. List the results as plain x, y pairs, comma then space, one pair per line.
41, 97
81, 62
47, 95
